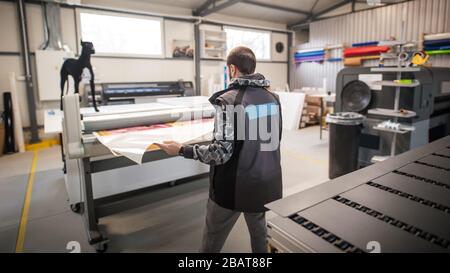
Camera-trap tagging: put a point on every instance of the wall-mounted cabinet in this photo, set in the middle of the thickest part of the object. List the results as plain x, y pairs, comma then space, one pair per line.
213, 44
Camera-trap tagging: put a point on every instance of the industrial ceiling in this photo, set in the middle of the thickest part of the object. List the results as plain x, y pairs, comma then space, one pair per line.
293, 13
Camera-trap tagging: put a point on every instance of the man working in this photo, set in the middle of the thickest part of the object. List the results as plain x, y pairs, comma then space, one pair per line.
244, 154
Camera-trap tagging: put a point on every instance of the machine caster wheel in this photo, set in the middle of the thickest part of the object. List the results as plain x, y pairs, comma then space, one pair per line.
101, 248
76, 207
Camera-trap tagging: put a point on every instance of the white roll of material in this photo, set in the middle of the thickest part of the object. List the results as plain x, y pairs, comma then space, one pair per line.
438, 36
18, 130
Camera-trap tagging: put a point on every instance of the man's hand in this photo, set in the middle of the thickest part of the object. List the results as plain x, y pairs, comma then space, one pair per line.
170, 147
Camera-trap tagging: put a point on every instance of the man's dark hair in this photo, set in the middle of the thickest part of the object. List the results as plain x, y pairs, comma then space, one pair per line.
243, 58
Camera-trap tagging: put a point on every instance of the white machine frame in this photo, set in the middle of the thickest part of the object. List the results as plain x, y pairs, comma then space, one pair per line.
87, 160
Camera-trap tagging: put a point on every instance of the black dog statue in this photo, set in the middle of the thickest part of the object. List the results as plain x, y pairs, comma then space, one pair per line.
75, 68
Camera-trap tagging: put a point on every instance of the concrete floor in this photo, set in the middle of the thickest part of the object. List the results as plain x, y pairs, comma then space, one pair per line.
172, 222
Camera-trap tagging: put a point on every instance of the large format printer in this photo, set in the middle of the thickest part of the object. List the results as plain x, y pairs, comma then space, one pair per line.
429, 99
139, 92
94, 177
399, 205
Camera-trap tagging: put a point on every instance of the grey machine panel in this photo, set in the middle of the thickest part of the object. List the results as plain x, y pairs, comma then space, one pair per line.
444, 152
430, 101
424, 171
415, 187
359, 228
438, 161
403, 209
402, 204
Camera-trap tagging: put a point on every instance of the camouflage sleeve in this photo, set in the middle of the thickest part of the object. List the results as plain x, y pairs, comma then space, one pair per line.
220, 150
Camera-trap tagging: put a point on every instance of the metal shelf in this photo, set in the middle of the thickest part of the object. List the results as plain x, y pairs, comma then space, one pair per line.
395, 69
216, 40
395, 84
379, 158
392, 113
400, 131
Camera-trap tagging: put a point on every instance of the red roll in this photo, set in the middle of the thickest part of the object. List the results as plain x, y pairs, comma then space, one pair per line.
365, 51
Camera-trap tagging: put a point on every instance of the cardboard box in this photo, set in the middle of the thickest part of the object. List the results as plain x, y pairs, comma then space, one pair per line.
310, 100
313, 110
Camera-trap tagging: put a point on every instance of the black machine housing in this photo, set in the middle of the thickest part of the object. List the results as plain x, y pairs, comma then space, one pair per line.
137, 92
430, 100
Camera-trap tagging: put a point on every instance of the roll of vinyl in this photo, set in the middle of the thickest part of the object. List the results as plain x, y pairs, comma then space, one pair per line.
439, 36
389, 43
429, 48
334, 60
357, 61
309, 50
364, 51
310, 56
403, 56
419, 58
315, 53
309, 59
331, 47
438, 52
441, 42
18, 128
372, 57
353, 61
371, 43
10, 146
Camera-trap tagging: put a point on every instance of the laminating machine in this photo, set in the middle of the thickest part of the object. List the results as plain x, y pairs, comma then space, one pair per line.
94, 173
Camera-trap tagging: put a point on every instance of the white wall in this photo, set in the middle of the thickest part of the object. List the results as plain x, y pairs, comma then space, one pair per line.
109, 69
139, 6
106, 69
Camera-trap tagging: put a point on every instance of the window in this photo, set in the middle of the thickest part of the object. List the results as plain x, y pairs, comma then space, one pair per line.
258, 41
120, 35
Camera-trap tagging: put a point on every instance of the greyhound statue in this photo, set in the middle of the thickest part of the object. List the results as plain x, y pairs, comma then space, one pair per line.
75, 69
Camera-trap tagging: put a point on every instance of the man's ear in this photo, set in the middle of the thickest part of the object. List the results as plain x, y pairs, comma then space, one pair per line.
232, 70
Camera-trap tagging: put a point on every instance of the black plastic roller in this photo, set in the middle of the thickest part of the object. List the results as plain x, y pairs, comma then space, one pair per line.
10, 145
356, 96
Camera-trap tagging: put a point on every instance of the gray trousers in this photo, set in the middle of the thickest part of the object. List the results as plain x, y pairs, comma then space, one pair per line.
219, 223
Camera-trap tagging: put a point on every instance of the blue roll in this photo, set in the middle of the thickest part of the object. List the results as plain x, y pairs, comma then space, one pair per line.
310, 59
308, 54
334, 60
436, 43
429, 48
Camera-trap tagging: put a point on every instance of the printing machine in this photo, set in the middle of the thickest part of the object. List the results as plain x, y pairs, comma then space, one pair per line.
430, 100
401, 205
140, 92
95, 177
